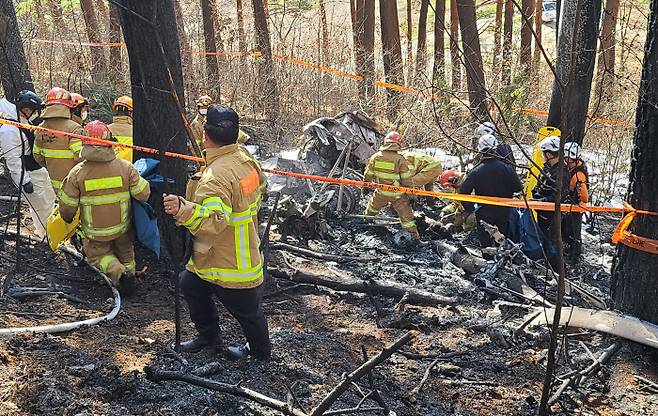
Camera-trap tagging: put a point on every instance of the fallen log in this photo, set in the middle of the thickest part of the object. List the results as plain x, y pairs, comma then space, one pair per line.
412, 295
613, 323
317, 254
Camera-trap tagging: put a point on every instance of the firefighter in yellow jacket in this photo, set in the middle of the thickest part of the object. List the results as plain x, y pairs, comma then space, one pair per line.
425, 169
122, 126
202, 104
389, 167
102, 187
55, 152
220, 211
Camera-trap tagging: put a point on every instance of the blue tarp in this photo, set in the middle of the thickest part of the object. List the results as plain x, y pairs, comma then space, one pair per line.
523, 229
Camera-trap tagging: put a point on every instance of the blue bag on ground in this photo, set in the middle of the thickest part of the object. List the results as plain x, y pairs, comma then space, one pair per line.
145, 223
523, 229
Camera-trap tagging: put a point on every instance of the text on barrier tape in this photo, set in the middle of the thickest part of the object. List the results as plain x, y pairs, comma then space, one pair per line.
621, 234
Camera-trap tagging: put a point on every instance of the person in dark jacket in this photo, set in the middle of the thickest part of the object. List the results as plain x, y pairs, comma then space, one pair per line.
546, 188
491, 177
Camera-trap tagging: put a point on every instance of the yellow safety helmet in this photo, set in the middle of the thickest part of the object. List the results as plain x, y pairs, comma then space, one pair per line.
204, 101
124, 103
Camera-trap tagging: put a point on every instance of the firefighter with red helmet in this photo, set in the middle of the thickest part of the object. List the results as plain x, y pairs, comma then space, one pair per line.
102, 187
454, 212
56, 152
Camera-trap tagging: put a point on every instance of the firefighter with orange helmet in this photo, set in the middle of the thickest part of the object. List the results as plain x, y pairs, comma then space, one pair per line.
56, 152
389, 167
81, 109
454, 212
122, 126
101, 187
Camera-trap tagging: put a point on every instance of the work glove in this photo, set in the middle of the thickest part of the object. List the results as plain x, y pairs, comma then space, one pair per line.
28, 187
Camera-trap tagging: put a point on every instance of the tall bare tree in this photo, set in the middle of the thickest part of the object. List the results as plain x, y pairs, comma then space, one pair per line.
477, 95
217, 24
55, 9
506, 73
212, 65
14, 70
439, 66
525, 56
268, 86
98, 62
606, 63
634, 285
102, 16
116, 65
455, 63
185, 48
536, 57
579, 28
421, 45
325, 32
410, 43
242, 38
391, 51
498, 30
365, 48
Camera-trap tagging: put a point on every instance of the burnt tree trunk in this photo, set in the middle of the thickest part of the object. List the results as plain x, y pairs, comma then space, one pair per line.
506, 73
325, 32
98, 63
157, 84
268, 90
14, 70
455, 64
525, 56
242, 38
536, 57
410, 44
439, 66
391, 52
606, 63
634, 284
421, 44
212, 65
365, 46
498, 30
477, 95
575, 68
116, 65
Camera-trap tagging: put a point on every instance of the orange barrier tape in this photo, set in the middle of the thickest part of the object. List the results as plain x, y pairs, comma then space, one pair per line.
621, 234
356, 77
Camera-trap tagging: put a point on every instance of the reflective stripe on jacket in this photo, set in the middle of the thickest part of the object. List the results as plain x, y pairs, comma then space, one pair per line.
101, 186
122, 131
220, 210
389, 167
57, 153
424, 167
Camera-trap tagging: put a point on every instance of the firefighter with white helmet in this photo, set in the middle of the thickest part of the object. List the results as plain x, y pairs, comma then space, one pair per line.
578, 194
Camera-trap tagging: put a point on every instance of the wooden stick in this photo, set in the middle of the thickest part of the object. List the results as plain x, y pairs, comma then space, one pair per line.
414, 392
326, 403
413, 296
318, 255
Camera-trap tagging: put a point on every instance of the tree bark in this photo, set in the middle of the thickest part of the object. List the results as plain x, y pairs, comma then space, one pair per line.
217, 25
410, 44
14, 69
439, 66
525, 56
506, 73
325, 32
98, 63
606, 63
242, 38
58, 16
455, 64
575, 67
365, 31
103, 16
634, 285
472, 57
268, 90
157, 89
116, 65
421, 45
536, 57
391, 52
498, 30
212, 66
185, 48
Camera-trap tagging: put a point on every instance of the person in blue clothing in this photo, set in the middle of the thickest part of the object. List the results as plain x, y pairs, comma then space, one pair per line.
491, 177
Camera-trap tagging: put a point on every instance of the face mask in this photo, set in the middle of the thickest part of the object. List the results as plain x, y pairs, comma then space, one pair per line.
84, 115
203, 111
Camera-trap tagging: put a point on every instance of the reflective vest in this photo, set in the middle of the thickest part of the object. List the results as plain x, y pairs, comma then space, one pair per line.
389, 167
101, 187
122, 131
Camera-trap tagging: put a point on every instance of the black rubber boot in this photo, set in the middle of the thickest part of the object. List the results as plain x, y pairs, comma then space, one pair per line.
127, 285
199, 343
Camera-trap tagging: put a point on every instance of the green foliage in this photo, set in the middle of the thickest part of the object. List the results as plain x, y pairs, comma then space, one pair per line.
102, 96
485, 11
292, 5
512, 97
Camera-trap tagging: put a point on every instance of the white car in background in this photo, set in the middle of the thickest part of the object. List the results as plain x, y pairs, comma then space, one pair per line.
548, 11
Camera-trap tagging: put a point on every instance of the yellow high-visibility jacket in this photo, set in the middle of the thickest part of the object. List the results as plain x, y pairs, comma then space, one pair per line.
389, 167
221, 210
122, 131
101, 187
